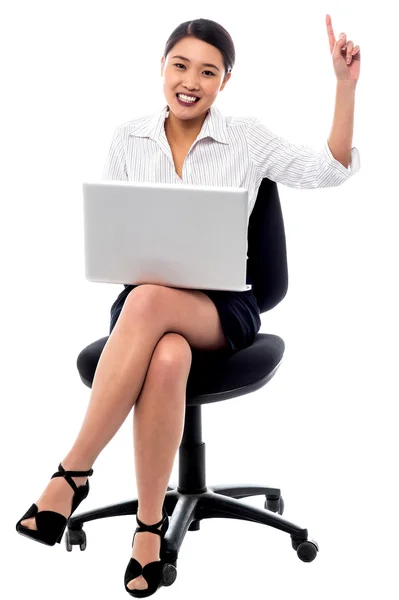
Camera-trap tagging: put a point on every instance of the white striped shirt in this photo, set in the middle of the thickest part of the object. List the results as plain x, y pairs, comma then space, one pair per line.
228, 151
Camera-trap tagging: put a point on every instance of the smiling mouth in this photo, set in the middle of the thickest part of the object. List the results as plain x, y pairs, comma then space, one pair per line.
197, 99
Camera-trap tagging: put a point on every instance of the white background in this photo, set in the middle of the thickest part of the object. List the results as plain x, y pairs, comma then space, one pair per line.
323, 430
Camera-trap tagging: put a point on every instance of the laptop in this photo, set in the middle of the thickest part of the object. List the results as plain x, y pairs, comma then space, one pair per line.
176, 235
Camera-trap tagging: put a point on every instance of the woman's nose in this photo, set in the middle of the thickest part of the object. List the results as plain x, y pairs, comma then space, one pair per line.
191, 84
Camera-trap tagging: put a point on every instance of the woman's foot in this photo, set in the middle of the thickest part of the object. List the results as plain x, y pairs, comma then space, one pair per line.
146, 549
57, 496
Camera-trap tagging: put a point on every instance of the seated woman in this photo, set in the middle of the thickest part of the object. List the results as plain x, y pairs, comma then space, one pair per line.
153, 329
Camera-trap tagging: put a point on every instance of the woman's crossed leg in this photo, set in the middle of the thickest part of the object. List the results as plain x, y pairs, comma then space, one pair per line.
149, 312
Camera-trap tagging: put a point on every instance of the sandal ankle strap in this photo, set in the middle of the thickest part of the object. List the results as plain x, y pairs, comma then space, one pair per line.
152, 528
69, 474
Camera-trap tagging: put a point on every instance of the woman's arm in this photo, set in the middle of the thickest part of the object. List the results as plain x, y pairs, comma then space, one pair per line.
115, 165
340, 139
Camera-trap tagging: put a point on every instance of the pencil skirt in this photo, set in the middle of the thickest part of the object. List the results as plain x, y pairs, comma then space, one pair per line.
238, 312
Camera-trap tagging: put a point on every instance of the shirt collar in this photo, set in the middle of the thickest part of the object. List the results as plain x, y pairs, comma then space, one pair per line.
214, 126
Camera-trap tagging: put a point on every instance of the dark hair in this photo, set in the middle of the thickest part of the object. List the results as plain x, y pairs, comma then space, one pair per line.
207, 31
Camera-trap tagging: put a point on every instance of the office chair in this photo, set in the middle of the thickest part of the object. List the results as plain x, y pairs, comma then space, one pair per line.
214, 377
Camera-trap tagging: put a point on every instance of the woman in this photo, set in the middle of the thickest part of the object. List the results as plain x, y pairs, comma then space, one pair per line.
153, 329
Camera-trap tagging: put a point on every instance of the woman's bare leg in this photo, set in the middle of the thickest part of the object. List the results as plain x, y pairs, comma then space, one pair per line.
148, 313
158, 425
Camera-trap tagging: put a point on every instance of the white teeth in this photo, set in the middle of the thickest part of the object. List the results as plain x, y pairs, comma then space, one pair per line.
186, 98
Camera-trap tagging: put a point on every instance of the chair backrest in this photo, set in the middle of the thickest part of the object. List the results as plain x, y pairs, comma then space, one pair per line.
267, 252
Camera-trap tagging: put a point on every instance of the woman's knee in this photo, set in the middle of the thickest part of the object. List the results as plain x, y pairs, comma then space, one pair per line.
172, 356
145, 299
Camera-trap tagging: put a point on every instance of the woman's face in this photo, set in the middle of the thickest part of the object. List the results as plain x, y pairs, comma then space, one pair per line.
192, 76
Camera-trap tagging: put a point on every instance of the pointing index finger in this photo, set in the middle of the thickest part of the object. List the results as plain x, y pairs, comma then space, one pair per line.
330, 32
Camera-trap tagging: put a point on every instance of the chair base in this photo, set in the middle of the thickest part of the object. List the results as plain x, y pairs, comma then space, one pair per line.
187, 511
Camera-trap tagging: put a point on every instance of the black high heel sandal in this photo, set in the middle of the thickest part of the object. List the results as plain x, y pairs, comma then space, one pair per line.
50, 524
152, 572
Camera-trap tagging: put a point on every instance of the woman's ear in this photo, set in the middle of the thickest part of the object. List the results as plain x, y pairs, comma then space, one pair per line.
225, 81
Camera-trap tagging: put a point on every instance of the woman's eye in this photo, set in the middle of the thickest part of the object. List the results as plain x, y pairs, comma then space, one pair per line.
181, 65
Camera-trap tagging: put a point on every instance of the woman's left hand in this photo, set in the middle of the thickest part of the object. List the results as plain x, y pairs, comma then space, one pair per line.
341, 51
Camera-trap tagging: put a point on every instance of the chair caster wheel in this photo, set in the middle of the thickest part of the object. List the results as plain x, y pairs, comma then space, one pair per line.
307, 550
275, 504
169, 574
75, 537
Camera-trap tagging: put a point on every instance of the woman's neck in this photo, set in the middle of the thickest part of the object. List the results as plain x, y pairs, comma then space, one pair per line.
181, 132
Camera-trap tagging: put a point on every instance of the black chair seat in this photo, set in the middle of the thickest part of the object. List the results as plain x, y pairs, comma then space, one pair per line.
213, 377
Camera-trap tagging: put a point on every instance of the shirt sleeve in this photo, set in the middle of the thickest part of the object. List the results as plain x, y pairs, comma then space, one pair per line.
115, 165
295, 165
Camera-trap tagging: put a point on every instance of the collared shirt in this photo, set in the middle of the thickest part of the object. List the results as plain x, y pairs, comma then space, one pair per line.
228, 151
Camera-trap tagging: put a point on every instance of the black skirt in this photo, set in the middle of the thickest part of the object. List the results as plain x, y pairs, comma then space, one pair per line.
238, 312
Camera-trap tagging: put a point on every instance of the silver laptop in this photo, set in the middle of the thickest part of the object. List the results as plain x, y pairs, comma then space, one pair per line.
177, 235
